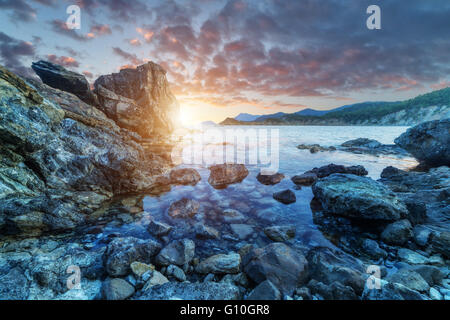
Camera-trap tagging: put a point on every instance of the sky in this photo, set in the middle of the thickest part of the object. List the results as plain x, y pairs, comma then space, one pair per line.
225, 57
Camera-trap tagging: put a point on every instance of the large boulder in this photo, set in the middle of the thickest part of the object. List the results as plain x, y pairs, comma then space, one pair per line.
397, 233
270, 179
358, 197
331, 168
391, 291
117, 289
184, 208
124, 111
328, 266
265, 291
148, 87
62, 159
185, 176
285, 196
222, 175
220, 264
178, 252
60, 78
429, 142
440, 242
284, 267
121, 252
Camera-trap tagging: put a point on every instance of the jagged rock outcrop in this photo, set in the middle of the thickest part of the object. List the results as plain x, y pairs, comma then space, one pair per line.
61, 159
429, 142
60, 78
139, 98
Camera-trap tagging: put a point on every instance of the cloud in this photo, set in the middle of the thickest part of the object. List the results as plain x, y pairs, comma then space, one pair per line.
88, 74
99, 30
20, 10
130, 57
60, 27
63, 60
274, 50
12, 53
134, 42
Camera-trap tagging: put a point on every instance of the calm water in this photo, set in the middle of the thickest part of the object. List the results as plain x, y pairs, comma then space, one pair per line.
254, 200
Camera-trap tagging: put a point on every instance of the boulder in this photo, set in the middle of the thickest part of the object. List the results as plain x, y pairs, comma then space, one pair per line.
220, 264
327, 266
421, 235
124, 111
391, 291
148, 87
305, 179
280, 233
397, 233
60, 78
175, 272
265, 291
121, 252
192, 291
178, 252
372, 249
314, 148
358, 197
159, 229
232, 216
62, 159
332, 168
428, 142
205, 232
431, 274
139, 268
362, 142
412, 257
243, 231
185, 176
222, 175
283, 266
440, 242
270, 179
285, 196
409, 279
184, 208
117, 289
156, 279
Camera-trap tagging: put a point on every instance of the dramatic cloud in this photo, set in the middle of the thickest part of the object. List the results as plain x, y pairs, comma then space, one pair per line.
12, 53
20, 10
63, 60
88, 74
60, 27
131, 58
267, 54
99, 30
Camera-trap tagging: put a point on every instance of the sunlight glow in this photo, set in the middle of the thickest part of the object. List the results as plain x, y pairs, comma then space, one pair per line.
185, 117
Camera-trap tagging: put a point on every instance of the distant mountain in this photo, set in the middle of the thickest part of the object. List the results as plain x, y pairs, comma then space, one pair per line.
271, 116
246, 117
311, 112
305, 112
430, 106
208, 124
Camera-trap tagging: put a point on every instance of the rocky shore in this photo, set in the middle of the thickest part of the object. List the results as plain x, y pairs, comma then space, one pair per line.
73, 160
